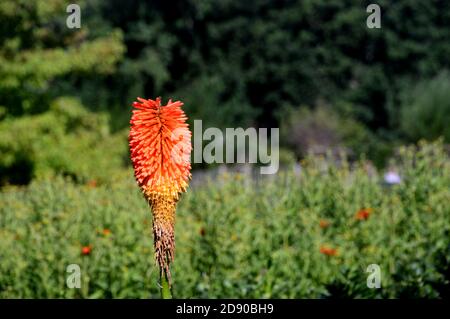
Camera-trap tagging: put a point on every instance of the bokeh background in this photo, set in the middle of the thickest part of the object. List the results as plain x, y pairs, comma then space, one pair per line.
363, 116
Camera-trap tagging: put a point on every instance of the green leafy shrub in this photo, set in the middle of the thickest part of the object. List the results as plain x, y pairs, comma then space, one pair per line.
66, 140
39, 55
425, 109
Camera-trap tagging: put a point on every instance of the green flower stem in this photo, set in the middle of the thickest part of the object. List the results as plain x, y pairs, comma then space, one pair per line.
165, 288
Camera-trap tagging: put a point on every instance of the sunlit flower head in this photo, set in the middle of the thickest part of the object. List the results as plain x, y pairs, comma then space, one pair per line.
160, 147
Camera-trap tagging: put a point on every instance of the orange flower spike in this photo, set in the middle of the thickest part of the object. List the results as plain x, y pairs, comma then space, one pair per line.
160, 147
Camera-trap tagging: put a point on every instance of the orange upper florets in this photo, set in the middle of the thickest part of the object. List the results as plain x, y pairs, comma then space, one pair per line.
160, 146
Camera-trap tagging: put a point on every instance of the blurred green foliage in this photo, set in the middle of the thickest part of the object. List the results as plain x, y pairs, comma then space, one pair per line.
42, 131
37, 51
248, 58
425, 111
237, 237
67, 140
311, 67
233, 63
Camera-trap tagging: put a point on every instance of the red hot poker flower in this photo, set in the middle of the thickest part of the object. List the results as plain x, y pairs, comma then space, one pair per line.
160, 147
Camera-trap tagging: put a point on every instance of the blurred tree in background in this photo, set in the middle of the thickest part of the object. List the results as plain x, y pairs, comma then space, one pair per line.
41, 60
37, 51
233, 63
253, 57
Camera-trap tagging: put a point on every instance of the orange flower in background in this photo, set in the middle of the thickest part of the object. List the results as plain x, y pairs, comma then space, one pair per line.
324, 223
328, 251
363, 214
106, 232
86, 250
92, 183
160, 147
